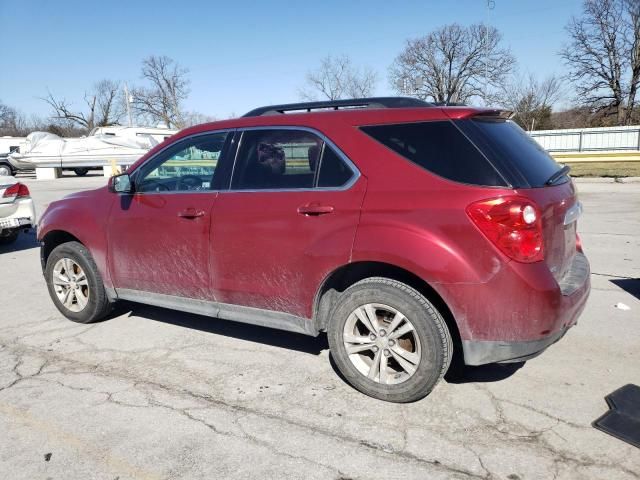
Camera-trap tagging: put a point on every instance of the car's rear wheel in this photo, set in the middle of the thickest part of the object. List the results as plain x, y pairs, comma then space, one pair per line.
388, 340
75, 285
81, 172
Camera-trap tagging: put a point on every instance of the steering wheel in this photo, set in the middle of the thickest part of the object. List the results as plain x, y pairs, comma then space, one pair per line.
192, 182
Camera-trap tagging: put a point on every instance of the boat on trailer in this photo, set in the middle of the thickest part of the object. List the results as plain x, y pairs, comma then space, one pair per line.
104, 146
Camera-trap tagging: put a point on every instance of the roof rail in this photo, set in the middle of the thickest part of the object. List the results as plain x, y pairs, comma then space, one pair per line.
372, 102
449, 104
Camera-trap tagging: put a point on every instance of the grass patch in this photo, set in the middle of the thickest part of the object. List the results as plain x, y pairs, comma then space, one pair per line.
604, 169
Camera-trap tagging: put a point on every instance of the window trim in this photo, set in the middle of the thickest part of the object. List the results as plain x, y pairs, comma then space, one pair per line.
137, 172
326, 141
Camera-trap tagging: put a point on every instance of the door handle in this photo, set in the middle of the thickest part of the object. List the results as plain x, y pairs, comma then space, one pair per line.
314, 210
191, 213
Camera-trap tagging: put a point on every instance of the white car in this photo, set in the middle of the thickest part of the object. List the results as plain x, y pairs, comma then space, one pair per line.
16, 209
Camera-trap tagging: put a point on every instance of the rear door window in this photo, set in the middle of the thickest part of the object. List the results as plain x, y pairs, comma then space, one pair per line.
285, 159
510, 148
334, 172
276, 159
439, 147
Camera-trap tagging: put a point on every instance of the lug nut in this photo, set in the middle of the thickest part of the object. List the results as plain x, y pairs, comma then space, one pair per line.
372, 337
386, 352
375, 349
392, 342
382, 333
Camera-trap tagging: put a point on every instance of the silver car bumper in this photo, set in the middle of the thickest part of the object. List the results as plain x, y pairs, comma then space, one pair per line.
18, 214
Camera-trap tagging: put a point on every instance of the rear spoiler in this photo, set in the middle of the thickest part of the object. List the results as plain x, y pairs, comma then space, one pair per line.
493, 114
488, 114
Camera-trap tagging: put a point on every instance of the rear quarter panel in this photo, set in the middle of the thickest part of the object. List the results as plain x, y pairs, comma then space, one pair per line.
417, 221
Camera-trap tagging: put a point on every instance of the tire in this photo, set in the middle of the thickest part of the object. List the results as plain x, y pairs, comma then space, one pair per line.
9, 239
95, 304
5, 169
81, 172
428, 342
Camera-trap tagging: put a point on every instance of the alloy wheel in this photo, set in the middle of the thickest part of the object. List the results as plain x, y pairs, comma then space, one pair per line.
382, 343
70, 284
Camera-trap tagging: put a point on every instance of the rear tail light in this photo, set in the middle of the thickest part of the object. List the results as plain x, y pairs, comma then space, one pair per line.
513, 224
16, 190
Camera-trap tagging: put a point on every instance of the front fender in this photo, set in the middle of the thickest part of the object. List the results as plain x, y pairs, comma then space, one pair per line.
83, 216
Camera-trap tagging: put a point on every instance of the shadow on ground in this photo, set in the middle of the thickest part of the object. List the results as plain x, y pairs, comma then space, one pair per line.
293, 341
629, 285
494, 372
242, 331
25, 241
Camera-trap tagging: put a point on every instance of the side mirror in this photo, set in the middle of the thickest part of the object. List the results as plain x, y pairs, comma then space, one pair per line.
120, 184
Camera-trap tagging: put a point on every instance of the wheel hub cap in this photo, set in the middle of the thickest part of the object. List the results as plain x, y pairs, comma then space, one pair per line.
382, 343
70, 284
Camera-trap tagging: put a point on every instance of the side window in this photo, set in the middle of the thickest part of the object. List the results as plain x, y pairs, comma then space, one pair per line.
187, 166
438, 147
334, 172
276, 159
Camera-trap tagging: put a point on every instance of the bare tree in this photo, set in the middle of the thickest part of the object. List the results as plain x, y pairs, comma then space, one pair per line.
453, 64
338, 78
531, 99
196, 118
103, 106
8, 117
603, 56
162, 100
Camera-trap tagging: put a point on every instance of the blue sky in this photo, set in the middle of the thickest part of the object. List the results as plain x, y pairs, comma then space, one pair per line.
242, 54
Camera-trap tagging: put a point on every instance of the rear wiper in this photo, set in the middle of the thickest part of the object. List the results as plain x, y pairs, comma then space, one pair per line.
557, 174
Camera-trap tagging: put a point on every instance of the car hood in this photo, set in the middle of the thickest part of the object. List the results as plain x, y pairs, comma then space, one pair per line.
85, 193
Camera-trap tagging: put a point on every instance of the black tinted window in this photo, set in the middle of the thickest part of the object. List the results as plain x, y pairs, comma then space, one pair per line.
276, 159
440, 148
334, 172
508, 146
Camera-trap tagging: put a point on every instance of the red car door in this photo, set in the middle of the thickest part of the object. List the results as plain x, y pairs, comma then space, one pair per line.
288, 220
159, 236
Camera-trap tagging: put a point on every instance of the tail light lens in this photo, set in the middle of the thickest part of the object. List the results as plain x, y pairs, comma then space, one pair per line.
513, 224
16, 190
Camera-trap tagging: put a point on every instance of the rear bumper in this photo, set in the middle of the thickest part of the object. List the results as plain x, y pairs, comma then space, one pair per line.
520, 312
17, 215
483, 352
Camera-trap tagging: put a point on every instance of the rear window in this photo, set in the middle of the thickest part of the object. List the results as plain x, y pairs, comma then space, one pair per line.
438, 147
516, 154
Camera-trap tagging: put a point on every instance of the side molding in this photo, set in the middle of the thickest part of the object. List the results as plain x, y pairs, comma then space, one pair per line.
237, 313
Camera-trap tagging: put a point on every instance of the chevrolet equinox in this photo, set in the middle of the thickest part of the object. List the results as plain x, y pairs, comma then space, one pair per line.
402, 229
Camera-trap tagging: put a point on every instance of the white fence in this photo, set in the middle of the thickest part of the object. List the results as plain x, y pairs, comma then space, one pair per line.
589, 139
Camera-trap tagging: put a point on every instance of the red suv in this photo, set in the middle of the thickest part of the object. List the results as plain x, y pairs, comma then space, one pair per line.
405, 230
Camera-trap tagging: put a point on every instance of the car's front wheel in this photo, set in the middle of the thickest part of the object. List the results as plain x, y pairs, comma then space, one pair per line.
388, 340
75, 285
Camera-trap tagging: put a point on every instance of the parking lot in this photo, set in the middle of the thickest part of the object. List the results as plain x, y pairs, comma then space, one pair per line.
153, 393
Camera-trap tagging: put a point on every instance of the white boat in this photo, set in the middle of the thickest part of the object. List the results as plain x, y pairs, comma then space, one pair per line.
104, 146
